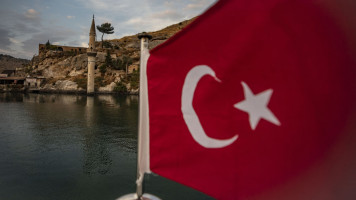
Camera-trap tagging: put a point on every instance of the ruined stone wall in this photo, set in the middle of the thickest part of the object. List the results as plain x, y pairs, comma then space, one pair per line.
78, 50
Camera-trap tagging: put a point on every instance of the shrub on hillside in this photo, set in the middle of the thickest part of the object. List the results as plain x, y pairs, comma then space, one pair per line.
120, 88
102, 68
107, 44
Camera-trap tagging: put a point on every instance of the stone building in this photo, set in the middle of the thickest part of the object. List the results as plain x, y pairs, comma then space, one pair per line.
77, 50
7, 73
33, 82
12, 80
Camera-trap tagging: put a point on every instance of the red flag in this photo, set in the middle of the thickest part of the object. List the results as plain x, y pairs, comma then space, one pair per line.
255, 99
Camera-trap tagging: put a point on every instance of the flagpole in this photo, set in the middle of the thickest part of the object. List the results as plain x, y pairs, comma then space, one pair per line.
142, 157
143, 127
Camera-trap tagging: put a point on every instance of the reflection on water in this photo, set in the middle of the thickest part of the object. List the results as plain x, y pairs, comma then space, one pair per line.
56, 146
89, 111
66, 144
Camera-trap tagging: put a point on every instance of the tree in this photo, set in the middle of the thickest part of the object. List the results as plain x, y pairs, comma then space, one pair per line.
102, 69
107, 44
48, 45
108, 59
122, 63
105, 28
118, 64
127, 61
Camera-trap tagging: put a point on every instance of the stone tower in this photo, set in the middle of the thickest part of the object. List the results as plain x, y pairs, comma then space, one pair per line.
91, 58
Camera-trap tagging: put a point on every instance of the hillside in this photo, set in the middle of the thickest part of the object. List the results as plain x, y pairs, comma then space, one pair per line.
9, 62
159, 36
67, 71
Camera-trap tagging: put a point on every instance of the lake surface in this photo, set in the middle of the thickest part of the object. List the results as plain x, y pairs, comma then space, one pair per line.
55, 146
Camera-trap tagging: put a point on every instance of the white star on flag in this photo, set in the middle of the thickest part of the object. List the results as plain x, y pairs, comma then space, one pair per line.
256, 106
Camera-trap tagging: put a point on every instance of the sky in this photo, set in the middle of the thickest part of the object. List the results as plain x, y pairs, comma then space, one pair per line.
26, 23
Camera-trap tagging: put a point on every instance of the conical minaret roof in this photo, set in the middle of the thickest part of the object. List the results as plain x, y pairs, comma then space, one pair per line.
92, 28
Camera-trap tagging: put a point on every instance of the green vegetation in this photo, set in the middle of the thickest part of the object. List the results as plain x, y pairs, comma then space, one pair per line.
81, 80
108, 59
102, 69
99, 82
122, 63
127, 61
120, 88
48, 45
134, 80
118, 64
107, 44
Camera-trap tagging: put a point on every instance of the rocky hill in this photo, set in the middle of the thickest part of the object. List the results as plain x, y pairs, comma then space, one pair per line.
117, 65
9, 62
158, 37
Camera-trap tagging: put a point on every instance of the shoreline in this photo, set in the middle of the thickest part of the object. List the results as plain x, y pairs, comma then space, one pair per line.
75, 92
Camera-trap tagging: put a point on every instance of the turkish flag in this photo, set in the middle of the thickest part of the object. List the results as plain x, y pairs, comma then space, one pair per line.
256, 100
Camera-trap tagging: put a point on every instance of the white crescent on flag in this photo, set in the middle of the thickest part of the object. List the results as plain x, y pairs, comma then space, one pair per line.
190, 117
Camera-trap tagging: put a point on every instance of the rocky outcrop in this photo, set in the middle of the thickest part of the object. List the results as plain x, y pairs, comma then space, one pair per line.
60, 67
107, 89
66, 72
65, 86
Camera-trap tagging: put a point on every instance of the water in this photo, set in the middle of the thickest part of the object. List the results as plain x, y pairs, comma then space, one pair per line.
73, 147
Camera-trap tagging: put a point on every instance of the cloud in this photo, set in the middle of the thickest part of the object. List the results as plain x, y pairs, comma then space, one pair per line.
198, 4
15, 41
105, 4
84, 44
4, 38
134, 21
154, 21
133, 16
101, 19
168, 14
8, 52
140, 24
23, 28
31, 14
83, 37
11, 46
168, 3
56, 35
19, 23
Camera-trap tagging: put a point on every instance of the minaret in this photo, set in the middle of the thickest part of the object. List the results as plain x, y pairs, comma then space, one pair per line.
91, 58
